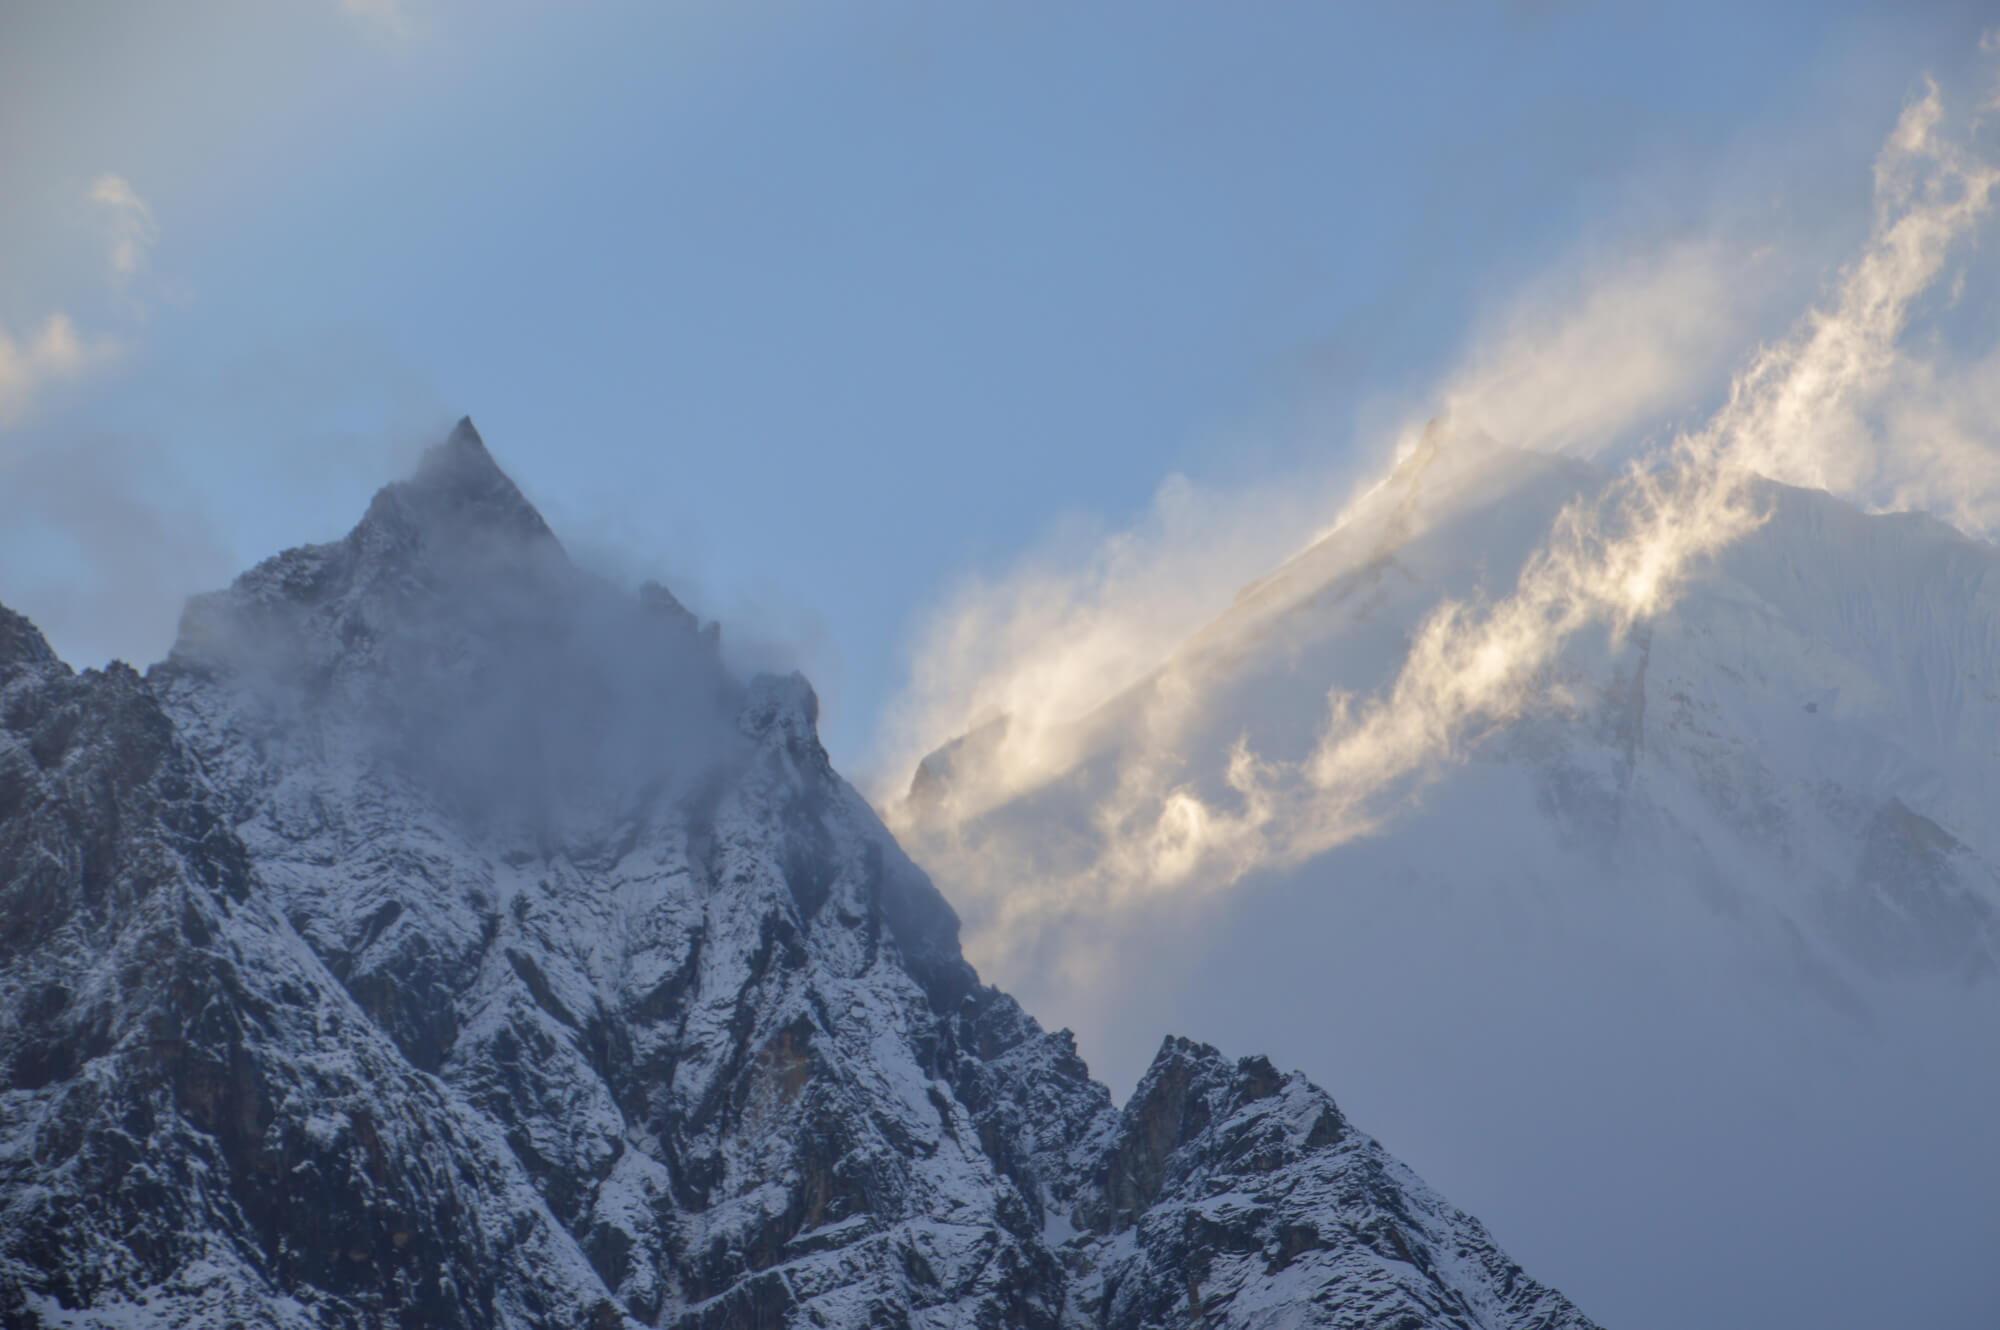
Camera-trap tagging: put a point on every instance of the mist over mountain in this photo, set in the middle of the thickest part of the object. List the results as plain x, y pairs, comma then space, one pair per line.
442, 937
1688, 969
1603, 800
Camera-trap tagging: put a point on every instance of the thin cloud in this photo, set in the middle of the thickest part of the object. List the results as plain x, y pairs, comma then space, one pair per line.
1572, 375
128, 222
99, 547
57, 353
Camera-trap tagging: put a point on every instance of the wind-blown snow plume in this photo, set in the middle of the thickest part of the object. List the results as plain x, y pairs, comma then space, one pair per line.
1055, 641
1827, 406
1062, 636
1802, 412
1578, 367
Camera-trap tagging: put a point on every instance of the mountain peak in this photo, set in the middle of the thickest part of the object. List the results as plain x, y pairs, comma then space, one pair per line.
455, 524
462, 450
462, 458
457, 483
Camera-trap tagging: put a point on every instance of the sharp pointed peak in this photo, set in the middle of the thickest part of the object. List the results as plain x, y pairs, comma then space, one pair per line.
462, 455
458, 478
462, 447
456, 515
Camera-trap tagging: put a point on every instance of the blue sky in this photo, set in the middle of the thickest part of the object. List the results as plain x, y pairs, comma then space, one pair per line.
819, 311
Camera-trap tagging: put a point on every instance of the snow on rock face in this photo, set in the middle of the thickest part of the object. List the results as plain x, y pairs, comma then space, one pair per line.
442, 938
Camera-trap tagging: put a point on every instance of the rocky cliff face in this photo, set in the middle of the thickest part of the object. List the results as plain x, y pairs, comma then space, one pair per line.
441, 938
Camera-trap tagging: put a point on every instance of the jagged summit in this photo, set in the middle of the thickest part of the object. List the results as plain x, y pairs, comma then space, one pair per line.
458, 481
458, 506
447, 638
456, 537
463, 443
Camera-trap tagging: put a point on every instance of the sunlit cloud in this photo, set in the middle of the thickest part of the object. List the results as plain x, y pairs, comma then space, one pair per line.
56, 354
127, 220
58, 351
1840, 403
1058, 639
1574, 369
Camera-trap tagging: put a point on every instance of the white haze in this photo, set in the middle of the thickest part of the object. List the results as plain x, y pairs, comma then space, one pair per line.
449, 642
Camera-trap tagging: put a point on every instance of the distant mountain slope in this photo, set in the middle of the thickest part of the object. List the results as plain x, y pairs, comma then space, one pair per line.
441, 938
1687, 972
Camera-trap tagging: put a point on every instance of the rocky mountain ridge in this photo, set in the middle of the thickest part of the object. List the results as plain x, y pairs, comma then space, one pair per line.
441, 938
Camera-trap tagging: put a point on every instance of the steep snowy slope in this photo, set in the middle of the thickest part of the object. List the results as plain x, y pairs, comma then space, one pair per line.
441, 937
1686, 972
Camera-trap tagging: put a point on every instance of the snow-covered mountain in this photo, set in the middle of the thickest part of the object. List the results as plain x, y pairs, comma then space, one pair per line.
440, 937
1683, 971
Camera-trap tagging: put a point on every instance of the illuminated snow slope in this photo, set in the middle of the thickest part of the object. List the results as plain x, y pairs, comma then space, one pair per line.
1684, 975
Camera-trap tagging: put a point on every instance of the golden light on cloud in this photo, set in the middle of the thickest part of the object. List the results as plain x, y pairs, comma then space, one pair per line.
55, 353
128, 221
1084, 690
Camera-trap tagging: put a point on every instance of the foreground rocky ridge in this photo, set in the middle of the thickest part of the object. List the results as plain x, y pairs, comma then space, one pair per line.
439, 939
